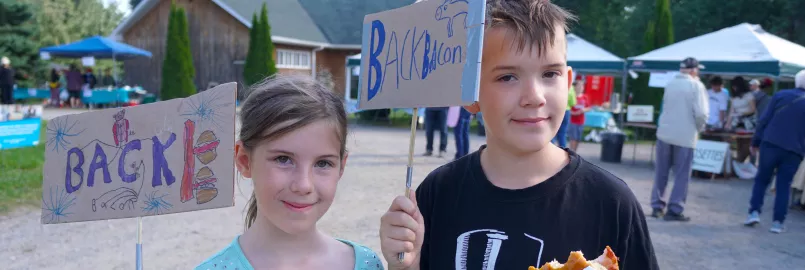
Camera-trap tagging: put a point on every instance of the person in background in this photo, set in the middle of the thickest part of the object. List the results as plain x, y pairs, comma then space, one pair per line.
7, 81
782, 142
719, 102
53, 82
74, 83
436, 119
107, 79
684, 115
561, 135
90, 79
761, 98
742, 115
576, 128
462, 133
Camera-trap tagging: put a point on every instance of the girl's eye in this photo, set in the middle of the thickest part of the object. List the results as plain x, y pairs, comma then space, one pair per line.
507, 78
324, 164
551, 75
283, 160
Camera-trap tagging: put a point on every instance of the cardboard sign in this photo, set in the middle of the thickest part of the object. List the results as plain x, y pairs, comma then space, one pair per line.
427, 54
20, 125
153, 159
640, 113
709, 156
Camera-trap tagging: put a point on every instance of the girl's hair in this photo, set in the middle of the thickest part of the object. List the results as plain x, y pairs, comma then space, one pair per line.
282, 104
739, 87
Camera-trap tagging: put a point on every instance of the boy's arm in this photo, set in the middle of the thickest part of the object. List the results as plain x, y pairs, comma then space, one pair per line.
637, 251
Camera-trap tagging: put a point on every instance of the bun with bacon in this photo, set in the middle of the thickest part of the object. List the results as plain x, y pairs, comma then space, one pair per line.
576, 261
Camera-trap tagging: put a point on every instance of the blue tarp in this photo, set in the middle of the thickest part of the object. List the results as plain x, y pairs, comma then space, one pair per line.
98, 47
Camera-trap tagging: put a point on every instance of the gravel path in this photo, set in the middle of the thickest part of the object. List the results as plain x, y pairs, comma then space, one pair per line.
375, 175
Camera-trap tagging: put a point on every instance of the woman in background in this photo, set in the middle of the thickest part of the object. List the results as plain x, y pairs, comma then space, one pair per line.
741, 115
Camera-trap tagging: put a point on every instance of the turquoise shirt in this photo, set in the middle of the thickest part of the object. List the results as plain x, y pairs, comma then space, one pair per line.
232, 258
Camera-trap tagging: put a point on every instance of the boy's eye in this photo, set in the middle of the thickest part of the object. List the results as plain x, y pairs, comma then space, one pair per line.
283, 160
551, 74
324, 164
507, 78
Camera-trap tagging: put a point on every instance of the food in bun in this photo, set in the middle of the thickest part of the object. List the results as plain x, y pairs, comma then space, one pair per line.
205, 147
576, 261
205, 180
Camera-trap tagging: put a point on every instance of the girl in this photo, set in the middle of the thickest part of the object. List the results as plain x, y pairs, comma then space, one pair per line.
292, 145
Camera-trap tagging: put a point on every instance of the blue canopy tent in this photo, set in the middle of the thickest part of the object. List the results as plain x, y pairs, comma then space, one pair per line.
98, 47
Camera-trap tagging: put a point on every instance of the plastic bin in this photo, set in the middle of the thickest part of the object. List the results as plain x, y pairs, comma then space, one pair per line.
612, 146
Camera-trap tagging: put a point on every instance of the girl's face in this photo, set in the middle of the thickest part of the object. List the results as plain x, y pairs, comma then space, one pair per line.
295, 176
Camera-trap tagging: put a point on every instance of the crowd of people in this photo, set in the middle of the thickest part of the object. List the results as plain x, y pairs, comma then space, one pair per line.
689, 110
75, 82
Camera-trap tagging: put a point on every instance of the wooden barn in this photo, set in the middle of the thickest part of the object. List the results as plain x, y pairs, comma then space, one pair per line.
310, 37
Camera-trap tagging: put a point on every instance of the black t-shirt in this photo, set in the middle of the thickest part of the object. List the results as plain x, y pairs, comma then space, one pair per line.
472, 224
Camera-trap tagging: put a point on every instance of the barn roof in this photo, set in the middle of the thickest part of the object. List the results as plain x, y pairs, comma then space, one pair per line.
322, 23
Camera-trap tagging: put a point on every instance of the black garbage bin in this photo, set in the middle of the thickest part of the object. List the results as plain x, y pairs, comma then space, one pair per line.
612, 146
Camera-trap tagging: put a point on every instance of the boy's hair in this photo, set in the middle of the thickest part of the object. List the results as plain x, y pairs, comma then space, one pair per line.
282, 104
716, 81
532, 21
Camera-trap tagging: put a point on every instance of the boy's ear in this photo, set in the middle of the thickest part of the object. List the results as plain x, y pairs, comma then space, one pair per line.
569, 77
473, 108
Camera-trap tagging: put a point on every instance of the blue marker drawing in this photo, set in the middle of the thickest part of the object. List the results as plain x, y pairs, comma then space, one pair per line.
445, 13
205, 110
155, 205
56, 205
62, 129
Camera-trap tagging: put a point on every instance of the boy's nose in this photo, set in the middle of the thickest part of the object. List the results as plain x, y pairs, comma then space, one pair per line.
532, 94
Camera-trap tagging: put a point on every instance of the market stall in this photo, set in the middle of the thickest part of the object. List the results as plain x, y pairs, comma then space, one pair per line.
749, 52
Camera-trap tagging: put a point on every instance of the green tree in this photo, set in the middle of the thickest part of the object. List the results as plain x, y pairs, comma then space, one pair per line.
260, 58
17, 28
177, 67
659, 33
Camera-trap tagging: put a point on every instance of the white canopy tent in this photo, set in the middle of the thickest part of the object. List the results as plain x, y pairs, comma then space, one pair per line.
744, 49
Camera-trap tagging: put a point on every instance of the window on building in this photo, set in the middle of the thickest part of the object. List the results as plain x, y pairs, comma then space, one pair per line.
293, 59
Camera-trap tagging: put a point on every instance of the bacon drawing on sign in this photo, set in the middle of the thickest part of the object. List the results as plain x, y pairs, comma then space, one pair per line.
186, 189
120, 130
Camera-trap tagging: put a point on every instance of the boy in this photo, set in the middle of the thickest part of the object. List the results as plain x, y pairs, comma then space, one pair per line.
519, 201
576, 129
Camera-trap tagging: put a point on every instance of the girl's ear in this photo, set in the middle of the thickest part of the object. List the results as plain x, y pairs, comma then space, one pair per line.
474, 108
242, 160
569, 77
343, 164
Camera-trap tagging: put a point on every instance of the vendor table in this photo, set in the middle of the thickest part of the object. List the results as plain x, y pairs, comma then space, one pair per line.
31, 93
637, 127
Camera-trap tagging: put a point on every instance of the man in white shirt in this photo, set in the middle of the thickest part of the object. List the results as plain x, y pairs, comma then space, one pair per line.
684, 115
719, 102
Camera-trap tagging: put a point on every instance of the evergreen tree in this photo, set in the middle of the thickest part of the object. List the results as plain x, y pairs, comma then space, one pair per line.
177, 67
249, 73
659, 33
271, 67
17, 29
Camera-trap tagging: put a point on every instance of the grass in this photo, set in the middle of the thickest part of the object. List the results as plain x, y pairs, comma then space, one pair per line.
21, 175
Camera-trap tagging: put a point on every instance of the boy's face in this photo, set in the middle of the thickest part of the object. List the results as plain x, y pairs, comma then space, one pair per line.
523, 95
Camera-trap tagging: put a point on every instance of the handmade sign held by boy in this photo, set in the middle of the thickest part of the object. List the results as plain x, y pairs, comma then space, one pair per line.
427, 54
153, 159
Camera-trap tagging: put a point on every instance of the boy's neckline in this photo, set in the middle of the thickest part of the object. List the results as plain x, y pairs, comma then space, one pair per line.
540, 190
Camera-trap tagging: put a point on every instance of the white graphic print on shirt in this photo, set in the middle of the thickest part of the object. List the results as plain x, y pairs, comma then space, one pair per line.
494, 242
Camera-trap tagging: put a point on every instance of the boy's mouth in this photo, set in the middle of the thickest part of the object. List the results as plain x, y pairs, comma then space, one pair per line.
529, 120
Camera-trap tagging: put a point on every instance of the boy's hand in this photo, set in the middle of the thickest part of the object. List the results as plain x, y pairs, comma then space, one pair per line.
402, 230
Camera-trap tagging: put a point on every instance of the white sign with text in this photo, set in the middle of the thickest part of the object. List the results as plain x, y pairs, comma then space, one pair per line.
640, 113
709, 156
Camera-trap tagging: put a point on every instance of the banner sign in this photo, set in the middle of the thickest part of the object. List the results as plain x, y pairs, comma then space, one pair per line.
709, 156
153, 159
20, 125
427, 54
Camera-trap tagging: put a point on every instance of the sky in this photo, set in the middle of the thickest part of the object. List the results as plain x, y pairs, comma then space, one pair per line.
122, 5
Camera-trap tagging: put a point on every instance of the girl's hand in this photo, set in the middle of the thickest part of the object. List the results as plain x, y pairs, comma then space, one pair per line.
402, 230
